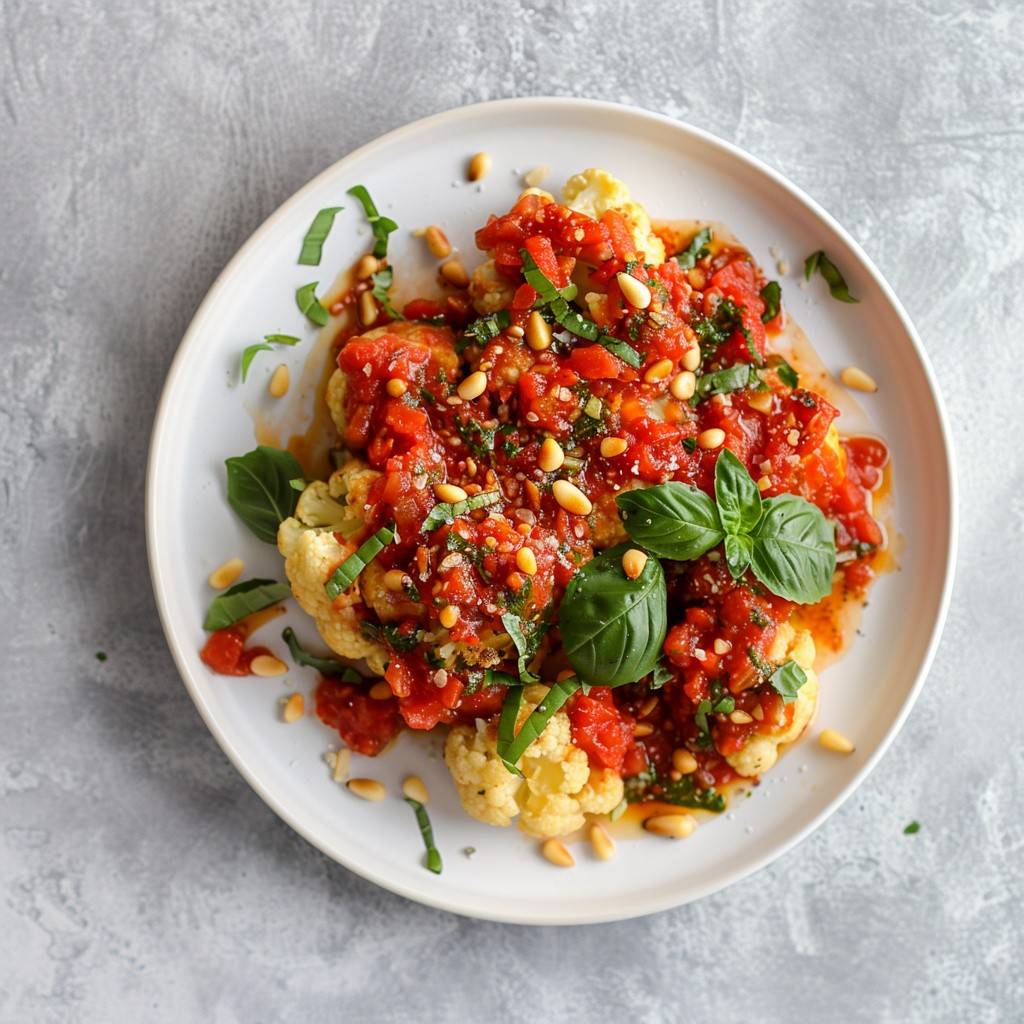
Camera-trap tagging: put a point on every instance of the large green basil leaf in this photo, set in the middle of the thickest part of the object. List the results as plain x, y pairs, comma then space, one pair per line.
787, 679
671, 520
613, 627
244, 599
739, 500
794, 552
260, 490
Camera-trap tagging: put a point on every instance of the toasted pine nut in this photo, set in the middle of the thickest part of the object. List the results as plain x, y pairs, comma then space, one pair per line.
226, 574
764, 482
551, 455
340, 761
673, 826
279, 381
835, 741
739, 717
633, 563
612, 446
396, 387
414, 789
571, 498
479, 166
722, 646
793, 437
635, 292
545, 197
642, 729
604, 848
294, 708
394, 579
515, 331
267, 665
538, 332
658, 371
448, 616
758, 712
683, 761
691, 358
472, 386
555, 851
367, 789
437, 242
683, 385
455, 273
526, 560
449, 493
368, 265
854, 377
697, 278
761, 401
380, 691
714, 437
367, 309
647, 707
532, 494
536, 176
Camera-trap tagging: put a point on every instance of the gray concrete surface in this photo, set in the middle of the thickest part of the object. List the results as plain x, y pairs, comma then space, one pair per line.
140, 144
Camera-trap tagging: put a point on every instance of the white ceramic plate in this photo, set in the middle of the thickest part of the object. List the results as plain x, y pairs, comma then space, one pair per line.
416, 175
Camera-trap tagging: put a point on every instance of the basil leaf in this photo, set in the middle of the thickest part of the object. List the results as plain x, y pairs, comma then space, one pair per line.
260, 490
613, 627
786, 373
683, 793
507, 726
660, 676
738, 551
345, 575
483, 329
689, 256
281, 339
739, 500
326, 666
313, 243
771, 295
535, 724
794, 552
721, 382
444, 512
526, 636
786, 681
492, 677
306, 300
819, 262
672, 520
380, 226
423, 820
243, 599
912, 829
382, 281
249, 354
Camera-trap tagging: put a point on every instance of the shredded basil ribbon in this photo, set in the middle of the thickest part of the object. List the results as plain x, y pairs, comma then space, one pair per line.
264, 346
380, 226
512, 745
492, 677
819, 262
382, 281
346, 574
309, 304
483, 329
689, 256
445, 512
243, 599
423, 820
326, 666
722, 382
771, 294
313, 243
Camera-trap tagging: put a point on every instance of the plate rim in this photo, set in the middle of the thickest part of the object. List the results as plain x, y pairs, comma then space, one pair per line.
670, 898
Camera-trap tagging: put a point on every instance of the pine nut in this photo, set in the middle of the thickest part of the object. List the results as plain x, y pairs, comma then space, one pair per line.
571, 498
633, 563
793, 437
758, 712
683, 385
647, 707
367, 266
526, 560
226, 574
515, 331
612, 446
473, 386
294, 708
683, 761
532, 494
279, 381
763, 483
854, 377
673, 826
394, 579
604, 848
642, 729
545, 196
691, 359
266, 665
761, 401
479, 166
367, 789
658, 371
635, 292
551, 455
449, 493
367, 309
449, 616
538, 332
533, 178
437, 242
380, 691
455, 273
739, 717
340, 762
711, 438
396, 387
722, 646
555, 851
835, 741
414, 788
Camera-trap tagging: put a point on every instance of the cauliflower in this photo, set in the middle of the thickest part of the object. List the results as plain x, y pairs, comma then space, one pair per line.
558, 786
594, 191
312, 552
489, 290
762, 750
337, 388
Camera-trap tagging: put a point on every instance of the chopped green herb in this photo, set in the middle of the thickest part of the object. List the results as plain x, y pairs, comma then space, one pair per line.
718, 328
392, 636
696, 250
382, 281
722, 382
913, 828
306, 300
101, 655
380, 226
690, 444
527, 636
683, 793
326, 666
771, 295
445, 513
786, 373
345, 575
313, 243
262, 346
243, 599
483, 329
786, 681
423, 820
819, 262
660, 676
477, 438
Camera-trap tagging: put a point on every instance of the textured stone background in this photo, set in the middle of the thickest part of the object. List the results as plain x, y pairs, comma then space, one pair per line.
141, 143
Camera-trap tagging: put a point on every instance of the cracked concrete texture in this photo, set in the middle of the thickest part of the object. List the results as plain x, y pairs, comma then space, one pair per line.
142, 143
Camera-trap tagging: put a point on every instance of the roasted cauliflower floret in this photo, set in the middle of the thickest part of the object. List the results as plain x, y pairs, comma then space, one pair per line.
558, 785
390, 605
762, 750
489, 290
337, 387
593, 191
